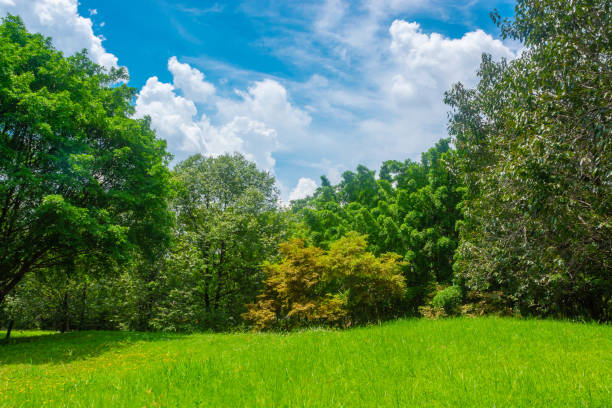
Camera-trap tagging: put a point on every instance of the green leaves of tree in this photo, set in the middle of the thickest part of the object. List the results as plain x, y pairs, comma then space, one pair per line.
78, 174
534, 149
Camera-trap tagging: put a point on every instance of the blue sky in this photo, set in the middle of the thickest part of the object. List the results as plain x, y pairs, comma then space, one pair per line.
304, 88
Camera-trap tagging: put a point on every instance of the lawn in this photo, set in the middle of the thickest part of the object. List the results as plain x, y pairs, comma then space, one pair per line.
485, 362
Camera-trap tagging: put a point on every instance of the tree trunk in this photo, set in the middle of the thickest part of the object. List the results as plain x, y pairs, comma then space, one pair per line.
9, 329
83, 306
220, 278
206, 295
65, 323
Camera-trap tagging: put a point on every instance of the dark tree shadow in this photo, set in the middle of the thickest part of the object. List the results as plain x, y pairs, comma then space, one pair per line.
66, 347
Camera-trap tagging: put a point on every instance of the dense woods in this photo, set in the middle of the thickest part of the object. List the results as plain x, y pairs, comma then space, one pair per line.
98, 231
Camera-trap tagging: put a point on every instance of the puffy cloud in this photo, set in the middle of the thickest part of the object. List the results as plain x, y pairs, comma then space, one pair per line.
172, 115
396, 109
190, 81
60, 20
411, 114
305, 187
175, 118
432, 61
267, 101
252, 138
377, 86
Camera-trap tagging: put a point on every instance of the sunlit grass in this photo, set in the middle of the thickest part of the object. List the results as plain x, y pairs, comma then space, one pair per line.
26, 333
452, 363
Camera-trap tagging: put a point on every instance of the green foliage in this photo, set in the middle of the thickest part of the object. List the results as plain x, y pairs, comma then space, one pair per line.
410, 210
448, 299
534, 148
78, 175
407, 363
342, 286
228, 224
97, 232
371, 285
84, 298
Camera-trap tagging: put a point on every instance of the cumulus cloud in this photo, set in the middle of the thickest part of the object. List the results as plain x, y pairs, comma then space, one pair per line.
305, 187
432, 61
267, 101
376, 92
252, 138
190, 81
411, 115
172, 115
60, 20
389, 101
247, 125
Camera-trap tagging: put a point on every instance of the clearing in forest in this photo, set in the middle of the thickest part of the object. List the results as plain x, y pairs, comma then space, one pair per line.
481, 362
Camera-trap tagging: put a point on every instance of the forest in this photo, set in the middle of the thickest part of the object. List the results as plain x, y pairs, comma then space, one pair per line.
510, 214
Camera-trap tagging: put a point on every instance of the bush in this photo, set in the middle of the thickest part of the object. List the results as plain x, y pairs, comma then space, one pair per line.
340, 287
448, 299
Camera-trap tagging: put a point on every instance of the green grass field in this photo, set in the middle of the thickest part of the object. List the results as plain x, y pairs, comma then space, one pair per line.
484, 362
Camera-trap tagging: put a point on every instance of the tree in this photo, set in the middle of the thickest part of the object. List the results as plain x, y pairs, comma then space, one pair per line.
534, 148
227, 225
78, 174
410, 210
342, 286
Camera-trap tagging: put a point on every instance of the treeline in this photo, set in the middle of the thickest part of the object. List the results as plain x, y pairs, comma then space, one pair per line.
511, 214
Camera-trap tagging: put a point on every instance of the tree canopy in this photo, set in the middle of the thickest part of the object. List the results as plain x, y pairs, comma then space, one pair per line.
411, 210
534, 148
511, 214
227, 226
79, 175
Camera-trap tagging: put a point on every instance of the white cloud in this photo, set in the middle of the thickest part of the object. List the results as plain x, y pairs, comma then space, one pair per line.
432, 61
172, 115
384, 101
409, 114
60, 20
388, 103
175, 118
305, 187
190, 81
267, 101
253, 139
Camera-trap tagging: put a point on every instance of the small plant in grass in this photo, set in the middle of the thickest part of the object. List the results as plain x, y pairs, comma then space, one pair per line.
448, 300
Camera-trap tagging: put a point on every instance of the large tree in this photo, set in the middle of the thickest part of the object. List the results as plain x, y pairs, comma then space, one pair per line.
534, 145
411, 209
78, 175
228, 224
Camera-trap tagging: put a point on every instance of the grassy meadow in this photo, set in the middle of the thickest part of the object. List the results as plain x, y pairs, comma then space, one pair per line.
485, 362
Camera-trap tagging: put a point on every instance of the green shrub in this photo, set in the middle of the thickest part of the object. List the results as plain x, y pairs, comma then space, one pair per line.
339, 287
448, 299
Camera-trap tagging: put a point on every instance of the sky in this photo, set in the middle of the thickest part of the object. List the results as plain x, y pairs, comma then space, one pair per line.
303, 88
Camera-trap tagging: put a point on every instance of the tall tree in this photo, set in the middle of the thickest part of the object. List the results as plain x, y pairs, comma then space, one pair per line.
411, 209
78, 175
228, 223
534, 146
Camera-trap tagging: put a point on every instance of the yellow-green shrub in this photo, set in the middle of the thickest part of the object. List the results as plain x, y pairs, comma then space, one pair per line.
342, 286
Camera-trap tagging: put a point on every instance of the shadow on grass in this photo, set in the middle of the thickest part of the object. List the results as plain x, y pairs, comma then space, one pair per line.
60, 348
